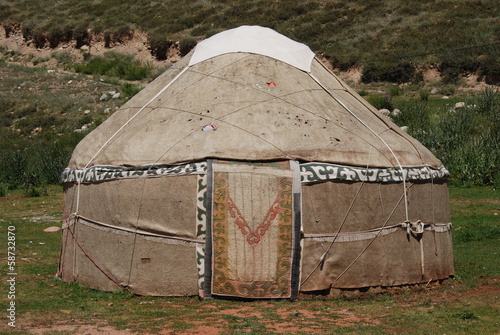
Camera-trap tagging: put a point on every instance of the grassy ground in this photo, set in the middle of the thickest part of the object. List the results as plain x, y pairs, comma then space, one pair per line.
466, 304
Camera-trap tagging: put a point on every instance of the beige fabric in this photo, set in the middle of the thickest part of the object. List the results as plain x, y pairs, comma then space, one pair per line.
157, 205
296, 119
392, 259
146, 265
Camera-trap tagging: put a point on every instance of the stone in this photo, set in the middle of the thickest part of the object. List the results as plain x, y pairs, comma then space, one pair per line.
385, 112
103, 97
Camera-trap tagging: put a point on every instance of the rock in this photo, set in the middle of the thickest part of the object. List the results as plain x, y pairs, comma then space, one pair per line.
459, 105
103, 97
107, 110
111, 93
87, 111
445, 97
115, 96
404, 128
51, 229
434, 91
396, 112
385, 112
84, 127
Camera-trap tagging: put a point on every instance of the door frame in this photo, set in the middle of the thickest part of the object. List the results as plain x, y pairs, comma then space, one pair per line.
296, 231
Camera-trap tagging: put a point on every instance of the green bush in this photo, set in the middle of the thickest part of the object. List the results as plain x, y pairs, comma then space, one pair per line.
467, 139
401, 72
129, 90
159, 46
36, 162
380, 102
115, 65
489, 68
186, 45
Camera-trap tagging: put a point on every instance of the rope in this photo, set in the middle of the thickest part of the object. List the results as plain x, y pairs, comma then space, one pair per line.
323, 257
138, 231
137, 113
92, 260
374, 132
369, 244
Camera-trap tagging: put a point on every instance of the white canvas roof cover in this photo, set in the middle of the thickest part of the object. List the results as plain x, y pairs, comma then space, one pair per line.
257, 40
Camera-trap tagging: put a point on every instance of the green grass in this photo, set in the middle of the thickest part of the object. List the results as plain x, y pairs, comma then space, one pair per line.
466, 304
376, 34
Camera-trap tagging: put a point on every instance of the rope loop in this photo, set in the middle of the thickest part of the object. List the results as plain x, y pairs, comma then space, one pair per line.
414, 228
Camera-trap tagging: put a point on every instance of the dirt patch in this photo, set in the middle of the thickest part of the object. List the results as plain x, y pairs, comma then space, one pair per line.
282, 318
81, 329
137, 44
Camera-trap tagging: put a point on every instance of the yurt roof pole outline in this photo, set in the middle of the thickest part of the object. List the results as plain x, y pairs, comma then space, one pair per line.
123, 126
374, 133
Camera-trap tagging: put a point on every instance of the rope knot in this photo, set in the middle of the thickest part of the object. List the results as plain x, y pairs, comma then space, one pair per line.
416, 228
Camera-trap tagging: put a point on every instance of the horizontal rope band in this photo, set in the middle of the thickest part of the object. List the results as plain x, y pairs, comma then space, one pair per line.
372, 233
122, 230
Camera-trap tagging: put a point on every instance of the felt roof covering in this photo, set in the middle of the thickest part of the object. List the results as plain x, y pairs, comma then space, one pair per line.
249, 94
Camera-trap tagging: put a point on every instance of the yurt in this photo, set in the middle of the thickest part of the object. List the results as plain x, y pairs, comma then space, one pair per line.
249, 170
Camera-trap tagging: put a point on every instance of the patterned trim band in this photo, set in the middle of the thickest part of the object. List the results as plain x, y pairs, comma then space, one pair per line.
103, 173
317, 172
310, 172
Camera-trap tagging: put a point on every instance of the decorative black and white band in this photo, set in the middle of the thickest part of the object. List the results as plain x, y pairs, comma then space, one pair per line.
310, 172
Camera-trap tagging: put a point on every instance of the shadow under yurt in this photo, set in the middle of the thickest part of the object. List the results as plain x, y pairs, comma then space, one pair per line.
249, 170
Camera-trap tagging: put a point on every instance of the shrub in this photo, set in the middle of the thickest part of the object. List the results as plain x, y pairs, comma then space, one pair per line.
129, 90
186, 45
115, 64
489, 68
467, 140
424, 95
58, 35
159, 46
380, 102
82, 37
34, 163
39, 39
401, 72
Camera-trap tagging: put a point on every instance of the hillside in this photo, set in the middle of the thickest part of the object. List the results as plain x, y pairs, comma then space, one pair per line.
61, 63
452, 35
